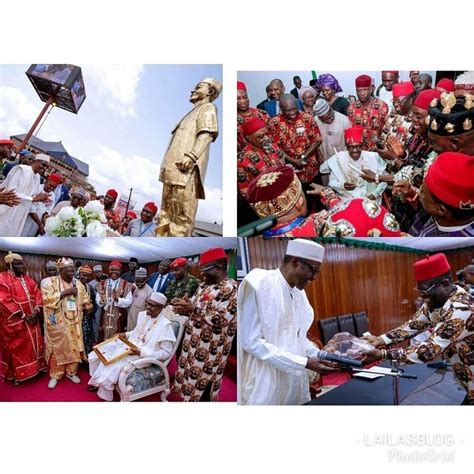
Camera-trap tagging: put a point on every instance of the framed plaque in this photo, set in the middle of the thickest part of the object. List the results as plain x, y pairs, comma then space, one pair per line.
114, 349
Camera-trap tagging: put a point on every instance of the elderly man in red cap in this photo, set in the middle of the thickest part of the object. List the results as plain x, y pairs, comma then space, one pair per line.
297, 134
398, 123
113, 217
445, 85
447, 313
145, 225
184, 285
447, 196
114, 295
368, 112
259, 153
210, 330
21, 342
40, 211
346, 168
244, 113
385, 90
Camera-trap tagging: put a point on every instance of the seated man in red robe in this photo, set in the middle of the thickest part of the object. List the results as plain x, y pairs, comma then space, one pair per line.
21, 342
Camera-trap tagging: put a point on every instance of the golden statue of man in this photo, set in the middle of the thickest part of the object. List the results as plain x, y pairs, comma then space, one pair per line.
184, 166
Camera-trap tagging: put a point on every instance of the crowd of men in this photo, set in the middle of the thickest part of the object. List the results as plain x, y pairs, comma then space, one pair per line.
53, 325
404, 149
275, 356
31, 192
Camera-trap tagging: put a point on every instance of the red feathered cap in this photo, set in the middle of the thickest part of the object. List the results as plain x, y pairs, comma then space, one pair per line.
112, 193
241, 86
179, 262
431, 267
363, 81
212, 255
151, 206
450, 178
424, 98
403, 88
446, 84
253, 125
353, 135
55, 178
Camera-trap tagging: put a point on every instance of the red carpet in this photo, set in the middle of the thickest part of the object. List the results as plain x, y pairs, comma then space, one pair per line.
36, 389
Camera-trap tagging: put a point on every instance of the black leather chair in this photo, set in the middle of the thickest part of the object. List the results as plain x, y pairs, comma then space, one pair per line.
329, 327
346, 324
361, 323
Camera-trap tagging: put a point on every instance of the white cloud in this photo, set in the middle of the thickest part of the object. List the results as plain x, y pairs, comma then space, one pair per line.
114, 85
17, 114
110, 169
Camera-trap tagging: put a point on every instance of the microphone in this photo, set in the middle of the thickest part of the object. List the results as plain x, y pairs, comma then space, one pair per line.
324, 355
440, 364
257, 227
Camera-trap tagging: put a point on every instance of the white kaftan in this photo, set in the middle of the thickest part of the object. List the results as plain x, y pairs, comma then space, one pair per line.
272, 347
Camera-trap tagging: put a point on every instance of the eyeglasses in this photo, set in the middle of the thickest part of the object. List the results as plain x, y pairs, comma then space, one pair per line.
206, 269
314, 270
430, 289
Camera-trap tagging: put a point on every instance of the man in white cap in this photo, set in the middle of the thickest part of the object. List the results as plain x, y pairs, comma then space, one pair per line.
141, 292
274, 316
331, 125
64, 300
184, 165
25, 181
153, 336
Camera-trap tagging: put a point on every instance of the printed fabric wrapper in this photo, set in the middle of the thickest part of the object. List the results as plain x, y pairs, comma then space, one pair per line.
346, 345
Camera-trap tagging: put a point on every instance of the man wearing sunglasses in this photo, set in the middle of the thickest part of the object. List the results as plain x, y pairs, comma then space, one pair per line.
274, 318
447, 313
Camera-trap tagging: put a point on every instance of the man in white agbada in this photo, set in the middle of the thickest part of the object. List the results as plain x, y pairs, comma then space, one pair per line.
141, 293
153, 336
274, 316
345, 169
25, 181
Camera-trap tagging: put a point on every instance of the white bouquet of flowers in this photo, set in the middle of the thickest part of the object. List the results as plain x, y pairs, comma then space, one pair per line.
87, 221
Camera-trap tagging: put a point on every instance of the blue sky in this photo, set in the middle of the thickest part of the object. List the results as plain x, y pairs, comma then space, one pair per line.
123, 128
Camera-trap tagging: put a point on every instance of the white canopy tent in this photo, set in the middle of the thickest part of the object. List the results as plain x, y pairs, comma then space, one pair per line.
144, 249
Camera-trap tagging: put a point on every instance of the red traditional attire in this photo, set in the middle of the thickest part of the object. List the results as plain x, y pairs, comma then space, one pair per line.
22, 345
253, 161
113, 219
241, 119
371, 118
294, 138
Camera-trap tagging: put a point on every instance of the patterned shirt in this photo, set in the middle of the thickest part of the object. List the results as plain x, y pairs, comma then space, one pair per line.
253, 161
113, 219
372, 118
180, 288
241, 119
452, 337
294, 138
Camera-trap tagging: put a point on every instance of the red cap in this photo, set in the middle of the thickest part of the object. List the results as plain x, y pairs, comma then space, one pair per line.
361, 218
403, 88
431, 267
252, 125
132, 214
363, 81
55, 178
241, 86
353, 135
392, 72
6, 142
115, 263
424, 98
212, 255
179, 262
450, 178
112, 193
446, 84
151, 206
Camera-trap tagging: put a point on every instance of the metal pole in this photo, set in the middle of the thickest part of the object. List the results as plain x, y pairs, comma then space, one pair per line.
37, 121
128, 202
